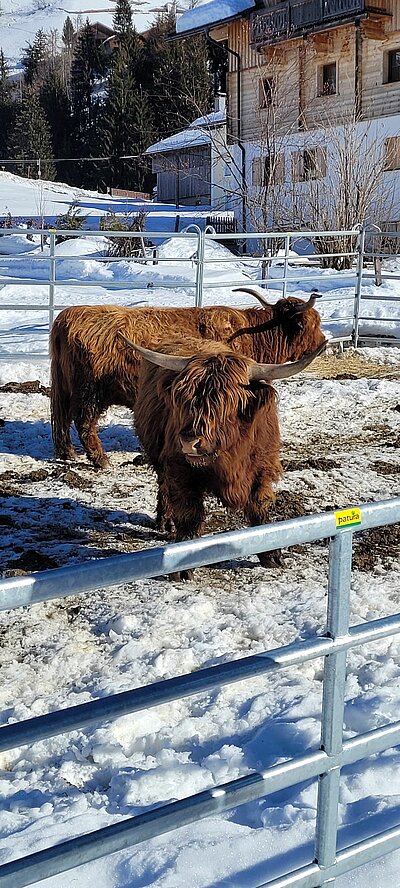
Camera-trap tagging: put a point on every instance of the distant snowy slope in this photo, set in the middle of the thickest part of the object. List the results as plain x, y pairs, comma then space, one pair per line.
21, 19
28, 198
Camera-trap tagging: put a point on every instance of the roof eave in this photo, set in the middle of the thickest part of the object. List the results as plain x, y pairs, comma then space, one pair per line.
204, 28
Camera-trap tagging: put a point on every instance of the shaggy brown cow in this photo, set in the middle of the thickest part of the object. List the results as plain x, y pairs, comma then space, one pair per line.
91, 369
209, 424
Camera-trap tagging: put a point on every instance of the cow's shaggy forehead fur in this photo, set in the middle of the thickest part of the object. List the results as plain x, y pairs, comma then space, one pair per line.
212, 389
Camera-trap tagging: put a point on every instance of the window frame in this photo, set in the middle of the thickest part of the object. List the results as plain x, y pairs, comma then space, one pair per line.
267, 95
322, 80
389, 67
309, 170
261, 166
392, 154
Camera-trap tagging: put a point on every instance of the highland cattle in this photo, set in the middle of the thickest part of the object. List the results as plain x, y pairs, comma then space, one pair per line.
91, 369
208, 421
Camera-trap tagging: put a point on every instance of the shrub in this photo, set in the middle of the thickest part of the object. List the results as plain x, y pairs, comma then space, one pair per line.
71, 220
124, 246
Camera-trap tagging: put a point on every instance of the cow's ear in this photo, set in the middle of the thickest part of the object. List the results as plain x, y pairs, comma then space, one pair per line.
258, 394
164, 389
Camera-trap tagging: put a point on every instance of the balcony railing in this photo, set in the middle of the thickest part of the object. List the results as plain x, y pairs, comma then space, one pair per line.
296, 17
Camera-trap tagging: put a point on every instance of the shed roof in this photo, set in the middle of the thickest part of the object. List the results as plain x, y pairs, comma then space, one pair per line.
188, 138
198, 133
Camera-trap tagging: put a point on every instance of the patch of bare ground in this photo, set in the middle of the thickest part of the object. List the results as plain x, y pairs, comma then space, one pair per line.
380, 546
378, 435
35, 475
385, 468
32, 387
7, 490
317, 463
30, 560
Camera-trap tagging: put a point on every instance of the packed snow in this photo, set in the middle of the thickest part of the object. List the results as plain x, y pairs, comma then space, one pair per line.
341, 446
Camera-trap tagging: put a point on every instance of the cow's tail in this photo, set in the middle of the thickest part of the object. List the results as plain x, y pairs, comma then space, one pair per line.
60, 394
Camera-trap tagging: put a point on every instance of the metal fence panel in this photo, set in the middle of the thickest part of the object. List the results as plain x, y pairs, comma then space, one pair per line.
269, 241
325, 762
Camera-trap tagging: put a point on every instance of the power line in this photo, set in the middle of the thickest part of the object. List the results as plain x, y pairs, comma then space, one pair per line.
37, 160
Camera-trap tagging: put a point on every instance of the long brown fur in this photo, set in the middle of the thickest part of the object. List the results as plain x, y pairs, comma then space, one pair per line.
91, 369
236, 423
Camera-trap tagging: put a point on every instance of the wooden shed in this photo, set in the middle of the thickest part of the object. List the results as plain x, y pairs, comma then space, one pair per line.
188, 164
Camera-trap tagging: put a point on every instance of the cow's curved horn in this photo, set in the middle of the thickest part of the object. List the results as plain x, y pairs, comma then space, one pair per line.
304, 306
253, 292
260, 372
168, 362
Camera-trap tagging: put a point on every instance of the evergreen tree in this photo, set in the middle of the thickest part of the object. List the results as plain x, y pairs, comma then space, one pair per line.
36, 58
177, 76
68, 34
127, 122
122, 21
55, 103
87, 66
6, 105
128, 117
31, 138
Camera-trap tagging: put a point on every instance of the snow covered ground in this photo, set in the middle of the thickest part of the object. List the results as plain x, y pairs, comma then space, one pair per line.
30, 198
341, 446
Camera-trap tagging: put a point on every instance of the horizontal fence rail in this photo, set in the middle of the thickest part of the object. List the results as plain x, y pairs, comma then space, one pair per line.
259, 267
324, 763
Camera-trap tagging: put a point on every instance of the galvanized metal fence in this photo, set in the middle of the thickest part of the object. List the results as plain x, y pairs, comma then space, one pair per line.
324, 763
262, 271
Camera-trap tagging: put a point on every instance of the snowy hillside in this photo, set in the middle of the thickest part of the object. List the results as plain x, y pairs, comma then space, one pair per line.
21, 19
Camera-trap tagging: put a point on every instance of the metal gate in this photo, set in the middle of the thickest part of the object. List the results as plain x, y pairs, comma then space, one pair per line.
353, 279
324, 763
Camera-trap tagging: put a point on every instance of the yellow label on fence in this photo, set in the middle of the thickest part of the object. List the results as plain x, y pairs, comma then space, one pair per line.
348, 517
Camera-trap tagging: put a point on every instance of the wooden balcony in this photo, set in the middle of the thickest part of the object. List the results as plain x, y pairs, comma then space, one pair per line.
294, 18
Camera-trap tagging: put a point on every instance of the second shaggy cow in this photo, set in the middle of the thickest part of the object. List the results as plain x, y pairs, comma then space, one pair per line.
208, 421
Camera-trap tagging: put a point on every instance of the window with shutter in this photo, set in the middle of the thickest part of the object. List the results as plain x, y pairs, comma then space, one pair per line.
392, 153
267, 92
256, 171
309, 164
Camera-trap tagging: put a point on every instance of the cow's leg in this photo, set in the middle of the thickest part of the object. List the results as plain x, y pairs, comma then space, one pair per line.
164, 521
63, 446
186, 503
86, 419
256, 512
61, 419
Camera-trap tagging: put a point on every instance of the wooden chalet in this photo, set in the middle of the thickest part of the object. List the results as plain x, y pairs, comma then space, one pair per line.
304, 62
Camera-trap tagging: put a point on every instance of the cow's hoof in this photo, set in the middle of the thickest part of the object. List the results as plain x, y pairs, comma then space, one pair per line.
271, 559
179, 575
66, 455
101, 463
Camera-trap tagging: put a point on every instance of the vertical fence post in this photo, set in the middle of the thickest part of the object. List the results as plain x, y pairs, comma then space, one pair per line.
360, 247
200, 268
52, 275
333, 697
264, 262
286, 265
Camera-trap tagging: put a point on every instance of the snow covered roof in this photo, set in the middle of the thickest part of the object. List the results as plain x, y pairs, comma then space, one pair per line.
196, 134
209, 120
210, 13
186, 139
